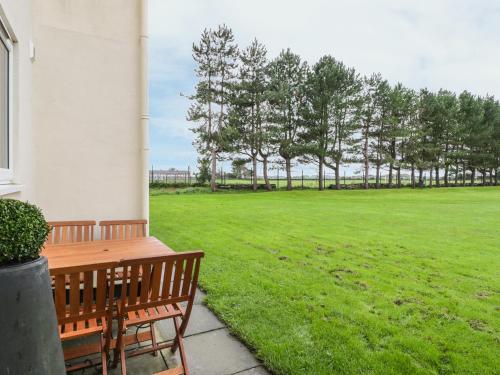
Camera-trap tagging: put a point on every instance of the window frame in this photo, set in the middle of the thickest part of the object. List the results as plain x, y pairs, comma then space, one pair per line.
7, 174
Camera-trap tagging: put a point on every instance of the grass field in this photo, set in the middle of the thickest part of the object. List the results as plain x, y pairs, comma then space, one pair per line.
385, 282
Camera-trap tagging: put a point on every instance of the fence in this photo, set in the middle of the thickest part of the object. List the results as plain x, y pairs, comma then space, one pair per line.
301, 180
171, 176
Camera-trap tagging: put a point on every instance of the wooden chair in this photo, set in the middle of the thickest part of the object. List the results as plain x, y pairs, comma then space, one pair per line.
70, 231
166, 282
122, 229
85, 309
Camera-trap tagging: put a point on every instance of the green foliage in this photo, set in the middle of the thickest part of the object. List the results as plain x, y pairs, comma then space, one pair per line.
23, 231
349, 282
216, 59
203, 175
283, 112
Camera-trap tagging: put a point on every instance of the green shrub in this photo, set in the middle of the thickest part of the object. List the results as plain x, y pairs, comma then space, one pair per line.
23, 231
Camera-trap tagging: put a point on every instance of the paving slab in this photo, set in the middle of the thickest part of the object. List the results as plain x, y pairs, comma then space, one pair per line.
201, 320
143, 364
199, 297
214, 353
260, 370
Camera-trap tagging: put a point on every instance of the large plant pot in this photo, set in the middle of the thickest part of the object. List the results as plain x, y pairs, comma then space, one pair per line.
29, 340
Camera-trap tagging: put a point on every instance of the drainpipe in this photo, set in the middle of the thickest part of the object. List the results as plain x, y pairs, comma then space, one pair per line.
144, 110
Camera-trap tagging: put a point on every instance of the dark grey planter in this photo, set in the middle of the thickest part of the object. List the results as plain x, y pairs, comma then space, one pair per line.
29, 340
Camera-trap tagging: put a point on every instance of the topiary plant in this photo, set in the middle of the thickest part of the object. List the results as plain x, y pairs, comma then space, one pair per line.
23, 231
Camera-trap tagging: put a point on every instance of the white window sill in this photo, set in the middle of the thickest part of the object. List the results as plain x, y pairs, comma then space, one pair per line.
10, 189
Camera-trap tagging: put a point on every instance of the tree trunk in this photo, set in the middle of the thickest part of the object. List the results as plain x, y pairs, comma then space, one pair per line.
264, 172
446, 170
420, 178
391, 167
496, 177
213, 183
456, 174
320, 177
430, 178
377, 176
367, 163
463, 174
254, 172
288, 167
473, 176
437, 177
413, 176
491, 176
398, 177
337, 174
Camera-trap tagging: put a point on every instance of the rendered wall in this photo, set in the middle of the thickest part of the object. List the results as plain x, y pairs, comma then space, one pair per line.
86, 109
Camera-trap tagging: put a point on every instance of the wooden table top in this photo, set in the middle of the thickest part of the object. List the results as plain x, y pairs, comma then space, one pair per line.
91, 253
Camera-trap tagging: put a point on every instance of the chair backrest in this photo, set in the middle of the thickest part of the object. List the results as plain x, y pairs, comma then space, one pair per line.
71, 231
160, 281
83, 303
122, 229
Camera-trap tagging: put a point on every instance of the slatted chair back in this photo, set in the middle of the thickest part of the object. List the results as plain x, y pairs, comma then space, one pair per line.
164, 281
88, 299
70, 231
122, 229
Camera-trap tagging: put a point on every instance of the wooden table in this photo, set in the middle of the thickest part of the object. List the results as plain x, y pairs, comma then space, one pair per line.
70, 255
62, 256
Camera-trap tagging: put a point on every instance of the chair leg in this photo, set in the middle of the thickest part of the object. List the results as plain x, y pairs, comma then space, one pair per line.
153, 337
104, 355
180, 344
122, 360
179, 332
119, 340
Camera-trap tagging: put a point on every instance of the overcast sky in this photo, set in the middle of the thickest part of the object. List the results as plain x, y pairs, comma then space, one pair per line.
427, 43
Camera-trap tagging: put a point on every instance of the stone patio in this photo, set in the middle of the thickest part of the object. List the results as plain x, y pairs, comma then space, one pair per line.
210, 349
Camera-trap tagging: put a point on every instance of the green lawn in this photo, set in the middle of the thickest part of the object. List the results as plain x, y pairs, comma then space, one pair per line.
381, 282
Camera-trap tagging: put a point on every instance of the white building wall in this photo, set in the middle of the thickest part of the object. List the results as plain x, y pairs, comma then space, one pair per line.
79, 140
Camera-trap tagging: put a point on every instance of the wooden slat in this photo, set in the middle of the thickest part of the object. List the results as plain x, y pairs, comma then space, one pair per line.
57, 234
64, 234
60, 295
179, 264
88, 288
145, 279
167, 279
101, 284
186, 282
134, 281
79, 233
156, 280
74, 293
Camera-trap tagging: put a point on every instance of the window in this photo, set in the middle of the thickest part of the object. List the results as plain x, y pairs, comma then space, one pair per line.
5, 105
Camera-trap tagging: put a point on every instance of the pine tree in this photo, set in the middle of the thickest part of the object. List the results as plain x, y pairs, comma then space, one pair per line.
286, 95
317, 134
215, 56
248, 104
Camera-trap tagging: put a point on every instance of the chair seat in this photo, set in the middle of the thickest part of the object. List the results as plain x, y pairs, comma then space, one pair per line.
81, 328
172, 371
152, 314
